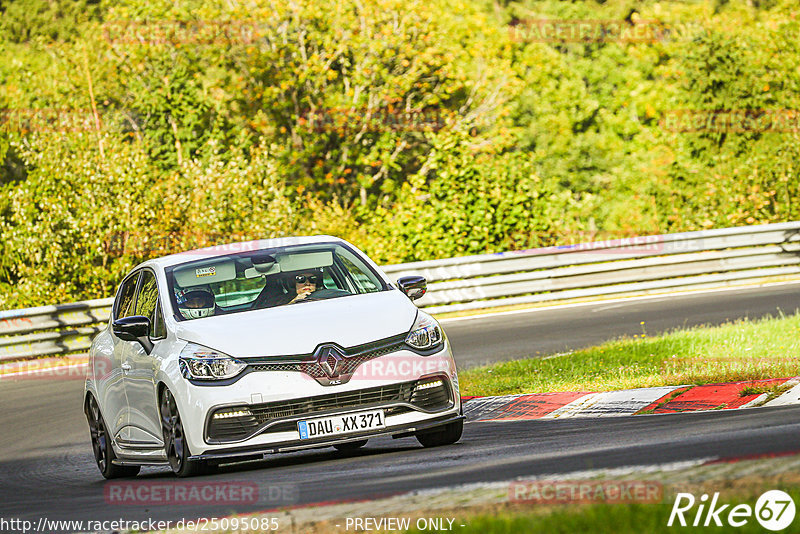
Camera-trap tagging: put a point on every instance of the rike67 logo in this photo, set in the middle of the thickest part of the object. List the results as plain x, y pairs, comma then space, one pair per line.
774, 510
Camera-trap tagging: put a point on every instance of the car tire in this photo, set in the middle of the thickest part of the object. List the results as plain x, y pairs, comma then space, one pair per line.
445, 435
104, 455
175, 445
351, 446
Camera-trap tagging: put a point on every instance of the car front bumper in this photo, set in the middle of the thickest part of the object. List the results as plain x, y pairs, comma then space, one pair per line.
256, 390
397, 431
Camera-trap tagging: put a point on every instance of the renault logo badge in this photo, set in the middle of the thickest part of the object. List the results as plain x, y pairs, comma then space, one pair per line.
329, 358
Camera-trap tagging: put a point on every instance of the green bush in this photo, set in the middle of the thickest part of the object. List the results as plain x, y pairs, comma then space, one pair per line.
417, 130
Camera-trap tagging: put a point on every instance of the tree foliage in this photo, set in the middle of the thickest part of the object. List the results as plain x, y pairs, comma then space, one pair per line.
418, 130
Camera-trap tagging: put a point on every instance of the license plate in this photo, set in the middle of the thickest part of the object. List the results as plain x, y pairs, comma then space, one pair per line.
341, 424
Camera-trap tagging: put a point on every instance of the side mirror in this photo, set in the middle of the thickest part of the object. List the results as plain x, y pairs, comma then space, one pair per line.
413, 286
134, 328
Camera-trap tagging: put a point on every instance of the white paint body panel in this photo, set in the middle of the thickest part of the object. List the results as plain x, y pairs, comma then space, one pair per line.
300, 328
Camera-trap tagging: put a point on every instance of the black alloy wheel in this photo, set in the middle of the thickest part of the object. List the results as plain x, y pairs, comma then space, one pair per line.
175, 439
101, 445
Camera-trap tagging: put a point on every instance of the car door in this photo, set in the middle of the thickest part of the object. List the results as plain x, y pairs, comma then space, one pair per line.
140, 379
111, 387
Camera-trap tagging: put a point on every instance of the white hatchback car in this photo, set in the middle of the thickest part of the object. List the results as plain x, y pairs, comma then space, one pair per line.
238, 351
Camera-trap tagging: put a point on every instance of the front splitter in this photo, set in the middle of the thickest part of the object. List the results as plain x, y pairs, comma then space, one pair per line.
298, 445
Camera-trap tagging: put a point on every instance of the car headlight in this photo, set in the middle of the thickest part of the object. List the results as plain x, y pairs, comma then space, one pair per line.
426, 332
201, 363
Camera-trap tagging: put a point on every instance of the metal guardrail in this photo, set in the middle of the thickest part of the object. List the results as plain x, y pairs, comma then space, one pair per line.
51, 330
610, 267
622, 266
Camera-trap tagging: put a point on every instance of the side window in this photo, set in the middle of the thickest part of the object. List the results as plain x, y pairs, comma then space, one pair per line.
147, 301
125, 301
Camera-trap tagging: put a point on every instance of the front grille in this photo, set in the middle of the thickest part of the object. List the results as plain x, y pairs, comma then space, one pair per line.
243, 426
353, 358
309, 368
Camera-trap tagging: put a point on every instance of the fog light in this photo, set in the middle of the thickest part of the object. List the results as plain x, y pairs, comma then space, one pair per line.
232, 413
428, 385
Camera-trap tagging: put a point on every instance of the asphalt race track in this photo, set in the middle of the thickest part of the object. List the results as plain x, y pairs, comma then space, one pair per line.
46, 466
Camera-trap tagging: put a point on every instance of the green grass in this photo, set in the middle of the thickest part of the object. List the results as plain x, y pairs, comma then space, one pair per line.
603, 518
739, 351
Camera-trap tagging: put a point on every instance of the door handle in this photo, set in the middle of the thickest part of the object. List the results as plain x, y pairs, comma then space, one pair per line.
126, 367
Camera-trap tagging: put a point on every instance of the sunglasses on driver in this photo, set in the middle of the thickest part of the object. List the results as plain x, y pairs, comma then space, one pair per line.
301, 279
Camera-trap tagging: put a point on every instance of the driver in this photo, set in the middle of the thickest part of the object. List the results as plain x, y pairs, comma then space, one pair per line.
196, 303
305, 283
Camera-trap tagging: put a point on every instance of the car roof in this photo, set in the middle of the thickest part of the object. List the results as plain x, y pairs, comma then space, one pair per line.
232, 248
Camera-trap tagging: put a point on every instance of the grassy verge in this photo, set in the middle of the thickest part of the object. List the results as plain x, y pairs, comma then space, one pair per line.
632, 518
743, 350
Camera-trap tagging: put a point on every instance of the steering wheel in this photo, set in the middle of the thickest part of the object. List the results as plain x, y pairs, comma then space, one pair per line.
323, 294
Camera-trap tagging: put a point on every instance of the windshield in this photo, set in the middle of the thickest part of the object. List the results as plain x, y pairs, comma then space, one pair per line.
268, 278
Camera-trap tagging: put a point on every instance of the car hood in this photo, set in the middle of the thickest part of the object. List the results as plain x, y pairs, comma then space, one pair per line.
300, 328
